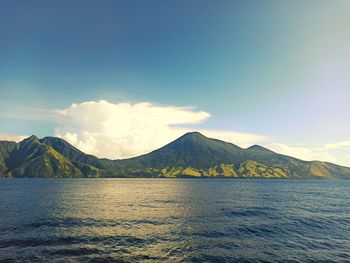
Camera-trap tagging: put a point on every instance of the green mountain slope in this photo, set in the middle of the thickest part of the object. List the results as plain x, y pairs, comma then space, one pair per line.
72, 153
33, 158
191, 149
6, 148
194, 155
191, 155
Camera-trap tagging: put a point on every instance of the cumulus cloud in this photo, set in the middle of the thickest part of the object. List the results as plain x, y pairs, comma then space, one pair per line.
12, 137
121, 130
302, 152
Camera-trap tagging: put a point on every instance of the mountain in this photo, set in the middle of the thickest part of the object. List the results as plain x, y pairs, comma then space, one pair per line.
6, 148
194, 155
34, 158
191, 155
72, 153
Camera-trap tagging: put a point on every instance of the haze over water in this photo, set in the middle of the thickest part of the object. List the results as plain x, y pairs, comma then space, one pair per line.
159, 220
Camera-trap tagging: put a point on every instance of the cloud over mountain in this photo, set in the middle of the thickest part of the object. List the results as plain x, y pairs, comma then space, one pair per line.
121, 130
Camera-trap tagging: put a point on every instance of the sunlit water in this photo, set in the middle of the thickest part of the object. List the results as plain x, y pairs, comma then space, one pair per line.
130, 220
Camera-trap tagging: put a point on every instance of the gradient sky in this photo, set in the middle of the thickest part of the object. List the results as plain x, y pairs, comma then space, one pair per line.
279, 69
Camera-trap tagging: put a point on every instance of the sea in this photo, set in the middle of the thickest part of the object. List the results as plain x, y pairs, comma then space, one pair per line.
174, 220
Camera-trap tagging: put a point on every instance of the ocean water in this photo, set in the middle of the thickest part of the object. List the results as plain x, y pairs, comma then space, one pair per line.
182, 220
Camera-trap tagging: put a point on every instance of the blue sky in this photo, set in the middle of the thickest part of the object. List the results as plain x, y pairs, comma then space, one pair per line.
275, 69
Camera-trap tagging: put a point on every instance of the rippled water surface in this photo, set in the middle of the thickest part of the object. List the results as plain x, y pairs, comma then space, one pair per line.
131, 220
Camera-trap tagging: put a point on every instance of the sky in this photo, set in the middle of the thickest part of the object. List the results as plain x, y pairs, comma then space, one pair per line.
121, 78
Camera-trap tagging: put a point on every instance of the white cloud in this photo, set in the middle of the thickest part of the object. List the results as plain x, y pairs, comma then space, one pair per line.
11, 137
304, 153
121, 130
338, 145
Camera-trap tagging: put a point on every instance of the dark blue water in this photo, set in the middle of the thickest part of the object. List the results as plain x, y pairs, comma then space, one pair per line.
131, 220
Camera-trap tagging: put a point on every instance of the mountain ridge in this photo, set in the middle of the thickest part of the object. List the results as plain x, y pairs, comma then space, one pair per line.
191, 155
